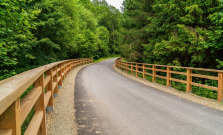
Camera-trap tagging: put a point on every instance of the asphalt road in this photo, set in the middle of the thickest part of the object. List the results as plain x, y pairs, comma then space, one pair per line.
108, 103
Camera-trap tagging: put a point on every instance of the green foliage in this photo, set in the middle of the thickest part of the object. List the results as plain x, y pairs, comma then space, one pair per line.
182, 32
16, 21
109, 17
35, 33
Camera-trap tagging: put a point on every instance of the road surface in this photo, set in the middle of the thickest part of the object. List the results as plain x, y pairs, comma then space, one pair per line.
107, 103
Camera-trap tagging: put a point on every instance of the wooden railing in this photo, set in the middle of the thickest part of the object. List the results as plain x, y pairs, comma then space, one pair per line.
43, 82
189, 73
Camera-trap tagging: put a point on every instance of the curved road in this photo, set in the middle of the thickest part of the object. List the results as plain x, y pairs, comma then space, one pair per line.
108, 103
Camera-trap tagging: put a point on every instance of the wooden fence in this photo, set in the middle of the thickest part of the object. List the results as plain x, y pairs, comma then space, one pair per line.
44, 82
189, 73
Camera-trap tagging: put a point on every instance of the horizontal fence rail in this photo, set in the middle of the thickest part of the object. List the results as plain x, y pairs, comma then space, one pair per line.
41, 86
188, 72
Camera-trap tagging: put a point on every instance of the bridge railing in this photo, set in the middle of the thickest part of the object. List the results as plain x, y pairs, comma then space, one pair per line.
188, 72
41, 86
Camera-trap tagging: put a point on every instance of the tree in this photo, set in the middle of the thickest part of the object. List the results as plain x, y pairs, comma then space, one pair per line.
176, 32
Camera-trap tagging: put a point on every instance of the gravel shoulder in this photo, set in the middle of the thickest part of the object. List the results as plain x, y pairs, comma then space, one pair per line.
61, 121
191, 97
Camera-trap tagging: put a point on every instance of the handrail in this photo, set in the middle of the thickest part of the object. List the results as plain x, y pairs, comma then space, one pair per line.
45, 81
134, 67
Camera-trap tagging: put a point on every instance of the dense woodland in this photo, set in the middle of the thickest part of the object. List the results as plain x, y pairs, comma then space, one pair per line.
173, 32
38, 32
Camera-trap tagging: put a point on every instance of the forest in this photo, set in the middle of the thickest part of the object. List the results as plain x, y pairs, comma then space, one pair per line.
173, 32
170, 32
38, 32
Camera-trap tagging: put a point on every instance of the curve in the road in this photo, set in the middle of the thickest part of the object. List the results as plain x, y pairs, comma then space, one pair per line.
108, 103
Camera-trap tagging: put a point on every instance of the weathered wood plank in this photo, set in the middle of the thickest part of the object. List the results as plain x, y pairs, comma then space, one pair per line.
154, 73
13, 87
205, 76
220, 87
49, 87
189, 80
204, 86
178, 80
168, 76
159, 76
6, 132
34, 125
176, 72
10, 119
40, 106
54, 85
149, 74
161, 70
148, 68
47, 98
46, 80
28, 102
59, 79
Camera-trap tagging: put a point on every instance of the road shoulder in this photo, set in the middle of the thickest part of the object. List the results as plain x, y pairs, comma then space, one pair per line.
62, 121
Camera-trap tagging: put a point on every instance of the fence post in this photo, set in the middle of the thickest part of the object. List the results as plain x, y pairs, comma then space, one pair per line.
154, 73
75, 62
40, 106
63, 71
55, 80
124, 64
10, 119
60, 74
69, 65
127, 70
120, 65
137, 69
168, 83
126, 67
189, 80
220, 86
131, 68
144, 71
49, 87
